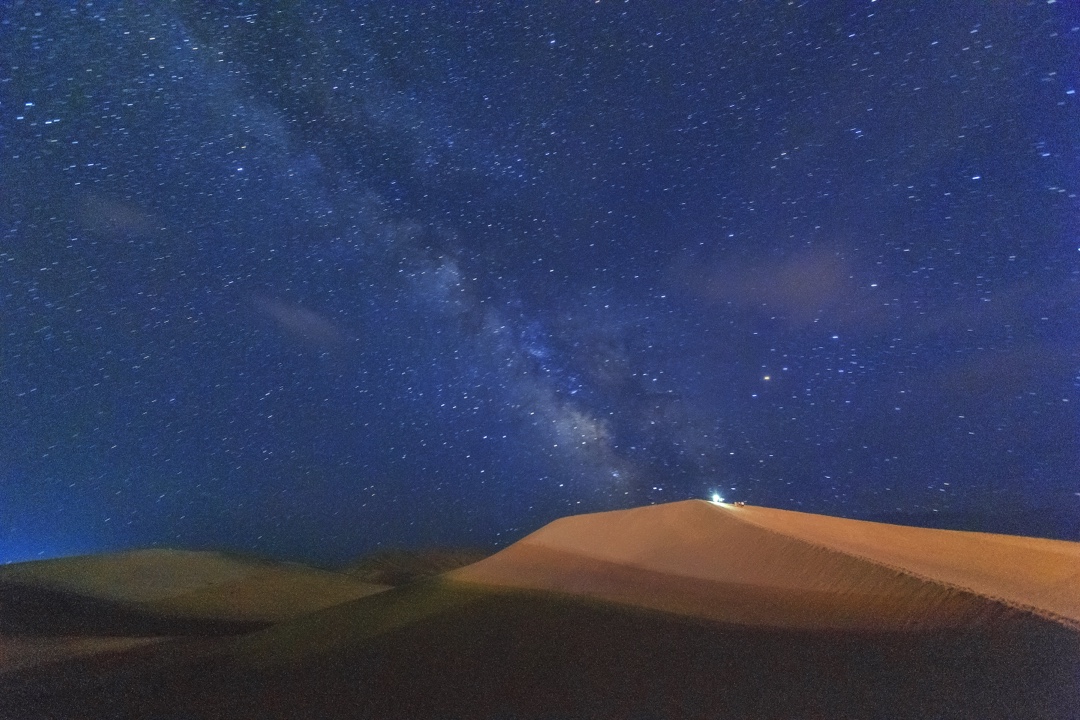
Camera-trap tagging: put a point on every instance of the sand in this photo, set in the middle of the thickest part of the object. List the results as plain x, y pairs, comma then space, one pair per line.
683, 610
775, 568
191, 584
56, 610
19, 652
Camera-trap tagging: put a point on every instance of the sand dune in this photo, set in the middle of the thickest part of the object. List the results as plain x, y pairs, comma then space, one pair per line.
54, 610
400, 567
764, 567
763, 613
1036, 574
19, 653
191, 584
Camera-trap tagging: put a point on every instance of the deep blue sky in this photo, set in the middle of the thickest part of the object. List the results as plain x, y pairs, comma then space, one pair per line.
308, 279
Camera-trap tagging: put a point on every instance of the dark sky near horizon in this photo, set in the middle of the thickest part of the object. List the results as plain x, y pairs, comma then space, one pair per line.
309, 279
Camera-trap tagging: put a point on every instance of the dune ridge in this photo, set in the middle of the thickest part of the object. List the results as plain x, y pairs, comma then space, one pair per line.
132, 576
190, 583
760, 566
56, 610
1002, 570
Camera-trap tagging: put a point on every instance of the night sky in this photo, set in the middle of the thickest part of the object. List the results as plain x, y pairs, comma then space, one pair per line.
310, 279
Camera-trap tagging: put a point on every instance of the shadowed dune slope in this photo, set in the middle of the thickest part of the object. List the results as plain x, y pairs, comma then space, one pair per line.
177, 583
764, 567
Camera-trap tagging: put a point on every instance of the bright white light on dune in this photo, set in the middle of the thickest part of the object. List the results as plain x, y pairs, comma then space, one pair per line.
717, 499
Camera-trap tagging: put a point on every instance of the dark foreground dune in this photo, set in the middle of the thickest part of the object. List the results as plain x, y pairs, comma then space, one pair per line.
611, 615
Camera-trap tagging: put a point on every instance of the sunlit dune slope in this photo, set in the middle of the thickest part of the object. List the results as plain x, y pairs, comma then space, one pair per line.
765, 567
188, 584
1032, 573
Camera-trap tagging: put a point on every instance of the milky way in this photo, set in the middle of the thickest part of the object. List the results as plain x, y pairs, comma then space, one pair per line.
314, 280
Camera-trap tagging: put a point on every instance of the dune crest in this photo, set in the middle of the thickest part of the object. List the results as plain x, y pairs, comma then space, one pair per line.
765, 567
1035, 574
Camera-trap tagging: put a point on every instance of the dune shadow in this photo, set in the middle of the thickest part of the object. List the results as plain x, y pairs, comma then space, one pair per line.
32, 610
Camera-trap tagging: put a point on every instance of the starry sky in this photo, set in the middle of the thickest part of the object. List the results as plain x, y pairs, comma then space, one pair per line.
311, 279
